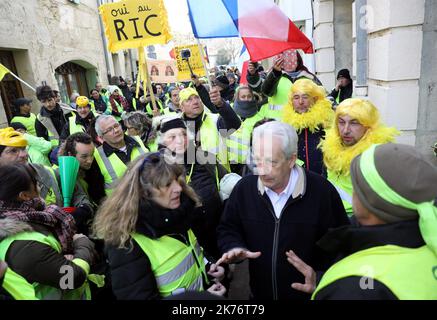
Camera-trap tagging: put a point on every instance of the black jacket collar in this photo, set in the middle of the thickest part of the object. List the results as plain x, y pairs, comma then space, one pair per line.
130, 144
49, 113
350, 239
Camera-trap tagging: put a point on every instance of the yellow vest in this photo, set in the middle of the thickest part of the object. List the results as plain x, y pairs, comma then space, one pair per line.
177, 267
21, 289
409, 273
282, 90
112, 168
211, 140
344, 187
271, 111
51, 130
28, 122
238, 143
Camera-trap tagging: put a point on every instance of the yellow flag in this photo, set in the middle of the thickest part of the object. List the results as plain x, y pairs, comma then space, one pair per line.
135, 23
3, 71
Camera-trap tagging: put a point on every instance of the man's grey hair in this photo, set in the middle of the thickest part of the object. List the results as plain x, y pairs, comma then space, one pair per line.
284, 131
99, 120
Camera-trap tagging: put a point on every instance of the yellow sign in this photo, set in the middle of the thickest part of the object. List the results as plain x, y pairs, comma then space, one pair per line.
135, 23
191, 54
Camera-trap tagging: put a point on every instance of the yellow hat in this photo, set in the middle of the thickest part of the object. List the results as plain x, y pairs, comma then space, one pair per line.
82, 101
186, 93
11, 138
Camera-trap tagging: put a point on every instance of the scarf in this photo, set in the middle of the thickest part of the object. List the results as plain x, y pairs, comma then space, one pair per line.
156, 221
338, 157
35, 211
319, 115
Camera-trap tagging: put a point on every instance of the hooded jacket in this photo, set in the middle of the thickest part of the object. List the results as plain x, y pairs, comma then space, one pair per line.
38, 262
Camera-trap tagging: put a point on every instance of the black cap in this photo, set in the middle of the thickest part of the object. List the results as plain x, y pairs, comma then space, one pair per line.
17, 126
172, 124
21, 102
222, 81
344, 73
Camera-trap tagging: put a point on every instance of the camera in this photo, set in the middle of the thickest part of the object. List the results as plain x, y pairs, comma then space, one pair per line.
185, 54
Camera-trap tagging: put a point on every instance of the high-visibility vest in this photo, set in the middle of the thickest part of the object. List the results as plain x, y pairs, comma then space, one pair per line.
238, 143
119, 110
177, 267
211, 140
344, 187
21, 289
162, 110
134, 103
282, 90
74, 127
51, 129
28, 122
51, 192
409, 273
271, 111
112, 168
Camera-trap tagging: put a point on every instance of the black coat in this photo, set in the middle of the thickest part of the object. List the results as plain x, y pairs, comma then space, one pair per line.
345, 241
345, 93
58, 118
203, 181
308, 151
131, 271
249, 222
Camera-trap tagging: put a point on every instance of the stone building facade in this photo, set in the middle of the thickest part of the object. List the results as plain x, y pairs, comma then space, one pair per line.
59, 42
390, 47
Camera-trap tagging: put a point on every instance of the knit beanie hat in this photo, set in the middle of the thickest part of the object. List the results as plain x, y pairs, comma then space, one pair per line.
172, 124
344, 73
396, 183
222, 81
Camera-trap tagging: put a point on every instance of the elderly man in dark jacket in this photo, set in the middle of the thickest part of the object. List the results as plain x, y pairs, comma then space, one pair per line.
283, 208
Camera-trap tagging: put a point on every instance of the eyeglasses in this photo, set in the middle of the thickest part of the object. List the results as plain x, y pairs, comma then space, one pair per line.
113, 128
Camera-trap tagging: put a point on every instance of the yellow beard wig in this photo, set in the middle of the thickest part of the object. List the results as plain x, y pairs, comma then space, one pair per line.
320, 114
338, 157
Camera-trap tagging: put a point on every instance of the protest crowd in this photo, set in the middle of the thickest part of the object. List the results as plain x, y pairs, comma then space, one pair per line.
138, 192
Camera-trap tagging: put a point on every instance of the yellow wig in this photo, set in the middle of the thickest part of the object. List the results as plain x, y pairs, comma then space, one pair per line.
320, 114
338, 157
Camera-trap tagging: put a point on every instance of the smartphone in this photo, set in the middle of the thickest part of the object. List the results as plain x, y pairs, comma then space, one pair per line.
290, 60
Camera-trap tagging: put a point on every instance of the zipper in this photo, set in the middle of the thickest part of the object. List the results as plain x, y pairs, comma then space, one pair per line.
275, 242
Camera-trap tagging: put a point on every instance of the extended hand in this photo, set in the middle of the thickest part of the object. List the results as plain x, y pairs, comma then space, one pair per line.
310, 276
215, 97
236, 255
278, 64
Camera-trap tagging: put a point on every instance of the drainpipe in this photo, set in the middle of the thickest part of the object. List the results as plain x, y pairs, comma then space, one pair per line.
361, 86
105, 44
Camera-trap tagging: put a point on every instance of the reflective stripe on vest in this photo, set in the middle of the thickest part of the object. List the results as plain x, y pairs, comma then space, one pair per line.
238, 143
28, 122
112, 168
41, 291
343, 184
177, 266
271, 111
409, 273
74, 127
211, 140
51, 130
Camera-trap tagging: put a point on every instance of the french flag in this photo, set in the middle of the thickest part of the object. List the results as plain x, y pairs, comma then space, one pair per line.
243, 62
263, 27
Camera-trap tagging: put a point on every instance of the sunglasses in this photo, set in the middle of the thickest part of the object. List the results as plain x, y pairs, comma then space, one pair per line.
153, 158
